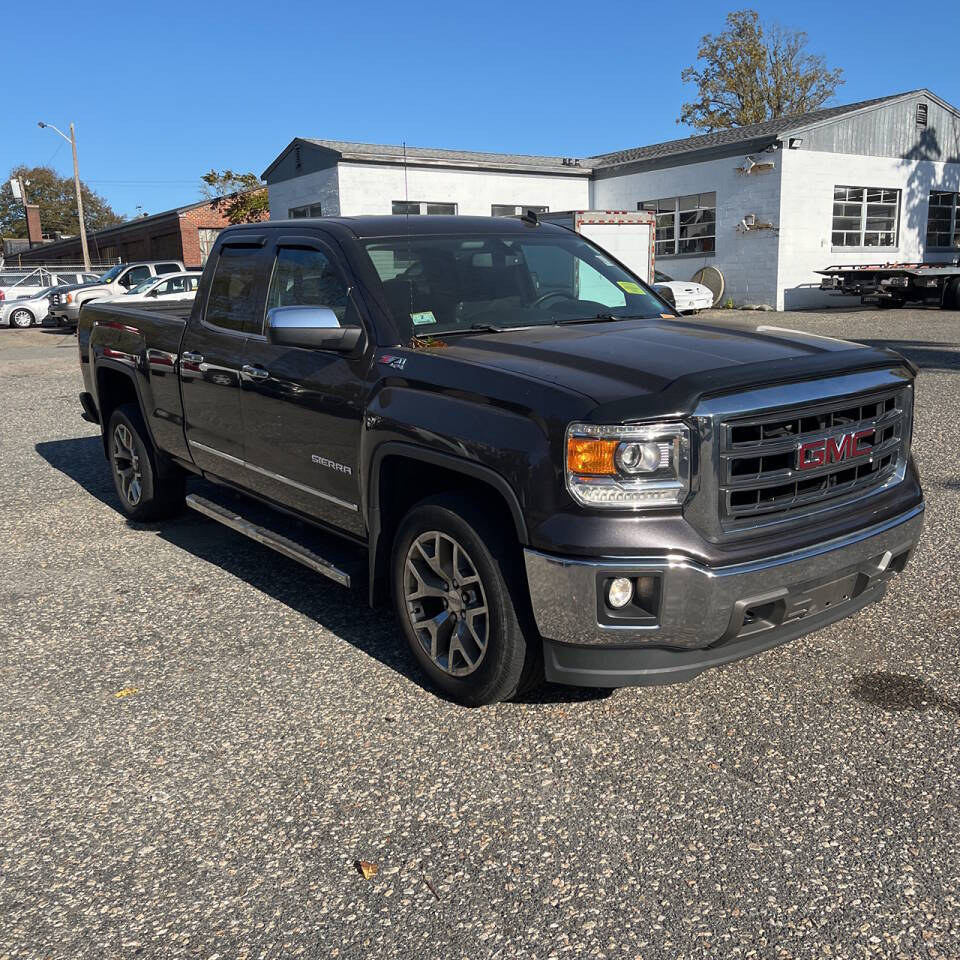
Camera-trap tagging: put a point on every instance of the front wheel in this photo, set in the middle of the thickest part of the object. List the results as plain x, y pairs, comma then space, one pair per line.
146, 491
21, 317
456, 589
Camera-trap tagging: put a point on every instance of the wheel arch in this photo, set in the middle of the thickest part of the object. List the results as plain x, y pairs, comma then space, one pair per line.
416, 473
116, 386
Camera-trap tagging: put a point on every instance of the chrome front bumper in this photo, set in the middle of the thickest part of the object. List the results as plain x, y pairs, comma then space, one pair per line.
708, 606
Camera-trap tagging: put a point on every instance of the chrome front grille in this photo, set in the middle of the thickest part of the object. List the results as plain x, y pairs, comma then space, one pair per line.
760, 456
747, 475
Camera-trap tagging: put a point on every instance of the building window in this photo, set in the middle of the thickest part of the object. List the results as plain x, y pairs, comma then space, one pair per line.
512, 210
685, 224
409, 207
943, 220
865, 217
308, 210
207, 237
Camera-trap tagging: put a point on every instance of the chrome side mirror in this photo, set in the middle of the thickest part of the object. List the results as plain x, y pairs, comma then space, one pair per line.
314, 328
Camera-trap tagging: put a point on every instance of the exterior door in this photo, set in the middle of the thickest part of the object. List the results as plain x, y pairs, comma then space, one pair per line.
211, 358
302, 408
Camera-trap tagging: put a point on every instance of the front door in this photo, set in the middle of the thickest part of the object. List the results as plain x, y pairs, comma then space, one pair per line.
211, 358
302, 408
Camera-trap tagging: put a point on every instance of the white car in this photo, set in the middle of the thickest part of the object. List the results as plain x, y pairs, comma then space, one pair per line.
26, 311
685, 295
167, 288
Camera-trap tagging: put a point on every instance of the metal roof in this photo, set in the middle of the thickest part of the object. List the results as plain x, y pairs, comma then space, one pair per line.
432, 156
771, 129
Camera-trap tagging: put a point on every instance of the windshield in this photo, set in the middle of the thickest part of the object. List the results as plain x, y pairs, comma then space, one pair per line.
143, 286
444, 284
111, 274
659, 277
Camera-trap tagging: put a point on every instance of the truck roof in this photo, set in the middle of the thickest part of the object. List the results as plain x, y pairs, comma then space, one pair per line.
400, 225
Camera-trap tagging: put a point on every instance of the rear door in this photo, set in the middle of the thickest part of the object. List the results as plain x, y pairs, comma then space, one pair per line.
212, 355
302, 408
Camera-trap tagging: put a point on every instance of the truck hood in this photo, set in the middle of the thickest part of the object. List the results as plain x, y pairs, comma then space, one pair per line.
610, 362
70, 287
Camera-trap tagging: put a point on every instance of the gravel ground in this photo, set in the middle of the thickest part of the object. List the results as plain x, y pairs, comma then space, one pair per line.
803, 803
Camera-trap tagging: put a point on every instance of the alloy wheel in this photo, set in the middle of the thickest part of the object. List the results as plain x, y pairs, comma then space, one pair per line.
446, 603
126, 463
21, 318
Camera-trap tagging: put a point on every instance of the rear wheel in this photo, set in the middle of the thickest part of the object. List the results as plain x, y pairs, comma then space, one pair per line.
456, 590
951, 295
148, 489
21, 317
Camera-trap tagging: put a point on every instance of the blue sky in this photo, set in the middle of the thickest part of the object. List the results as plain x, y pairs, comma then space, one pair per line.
165, 92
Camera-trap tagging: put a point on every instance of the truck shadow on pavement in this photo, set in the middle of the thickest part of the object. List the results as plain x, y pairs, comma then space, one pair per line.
332, 607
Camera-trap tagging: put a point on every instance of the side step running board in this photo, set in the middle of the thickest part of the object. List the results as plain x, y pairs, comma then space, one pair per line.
269, 538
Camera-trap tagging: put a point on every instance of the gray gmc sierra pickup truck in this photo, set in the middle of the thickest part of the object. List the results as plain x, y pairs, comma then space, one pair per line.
498, 428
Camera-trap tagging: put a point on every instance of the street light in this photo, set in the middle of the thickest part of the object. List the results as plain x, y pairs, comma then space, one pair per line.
72, 140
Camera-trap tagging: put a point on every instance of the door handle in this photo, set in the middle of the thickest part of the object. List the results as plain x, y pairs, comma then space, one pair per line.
255, 373
191, 357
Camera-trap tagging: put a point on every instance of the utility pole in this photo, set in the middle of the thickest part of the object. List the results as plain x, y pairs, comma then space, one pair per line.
72, 140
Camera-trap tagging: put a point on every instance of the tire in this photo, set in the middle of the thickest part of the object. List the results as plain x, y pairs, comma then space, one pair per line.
147, 489
951, 295
478, 653
21, 317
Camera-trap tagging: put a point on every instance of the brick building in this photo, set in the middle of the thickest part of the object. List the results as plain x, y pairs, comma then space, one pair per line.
186, 233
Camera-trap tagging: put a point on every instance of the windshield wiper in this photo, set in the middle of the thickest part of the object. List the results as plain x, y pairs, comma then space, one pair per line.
473, 328
597, 318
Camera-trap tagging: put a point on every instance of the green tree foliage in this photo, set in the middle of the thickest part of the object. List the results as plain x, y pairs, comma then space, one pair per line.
750, 73
57, 200
240, 197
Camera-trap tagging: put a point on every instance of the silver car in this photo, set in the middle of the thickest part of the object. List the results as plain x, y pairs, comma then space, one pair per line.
26, 311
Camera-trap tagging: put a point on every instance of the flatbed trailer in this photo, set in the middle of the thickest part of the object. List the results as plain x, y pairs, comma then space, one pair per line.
895, 284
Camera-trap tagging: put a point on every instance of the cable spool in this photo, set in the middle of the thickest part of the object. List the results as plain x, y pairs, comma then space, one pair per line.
711, 278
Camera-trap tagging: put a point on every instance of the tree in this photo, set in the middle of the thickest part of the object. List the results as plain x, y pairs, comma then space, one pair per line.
57, 198
749, 74
240, 197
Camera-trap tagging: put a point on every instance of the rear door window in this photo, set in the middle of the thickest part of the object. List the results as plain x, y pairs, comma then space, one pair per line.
235, 301
134, 276
168, 268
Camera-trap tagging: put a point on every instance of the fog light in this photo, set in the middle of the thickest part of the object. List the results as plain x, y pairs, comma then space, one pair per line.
619, 593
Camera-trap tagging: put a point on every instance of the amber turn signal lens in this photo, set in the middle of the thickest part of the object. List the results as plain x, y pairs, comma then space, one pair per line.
586, 455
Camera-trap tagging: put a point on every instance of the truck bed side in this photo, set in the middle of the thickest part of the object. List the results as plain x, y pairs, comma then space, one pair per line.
129, 354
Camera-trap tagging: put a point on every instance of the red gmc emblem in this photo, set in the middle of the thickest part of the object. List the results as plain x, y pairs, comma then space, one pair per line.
827, 450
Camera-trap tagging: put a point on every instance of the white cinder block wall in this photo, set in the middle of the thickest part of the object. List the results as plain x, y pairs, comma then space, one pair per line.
806, 216
321, 186
372, 188
747, 259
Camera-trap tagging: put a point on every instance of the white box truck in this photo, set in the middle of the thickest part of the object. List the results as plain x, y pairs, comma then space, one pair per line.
629, 235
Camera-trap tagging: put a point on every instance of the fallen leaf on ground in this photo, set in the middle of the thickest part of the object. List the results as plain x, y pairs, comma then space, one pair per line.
367, 869
126, 692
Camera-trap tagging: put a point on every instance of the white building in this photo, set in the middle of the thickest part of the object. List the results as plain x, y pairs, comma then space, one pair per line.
767, 204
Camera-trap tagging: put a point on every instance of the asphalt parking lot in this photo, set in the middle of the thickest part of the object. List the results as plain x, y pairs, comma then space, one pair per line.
199, 740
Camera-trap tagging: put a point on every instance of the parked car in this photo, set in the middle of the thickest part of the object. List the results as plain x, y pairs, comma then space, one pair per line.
685, 295
20, 284
545, 483
26, 311
167, 287
65, 305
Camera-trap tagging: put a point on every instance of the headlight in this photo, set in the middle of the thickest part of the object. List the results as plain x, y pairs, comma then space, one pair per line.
633, 466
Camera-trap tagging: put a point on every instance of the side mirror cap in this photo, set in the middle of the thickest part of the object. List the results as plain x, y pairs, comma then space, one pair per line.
315, 328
